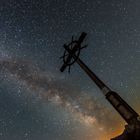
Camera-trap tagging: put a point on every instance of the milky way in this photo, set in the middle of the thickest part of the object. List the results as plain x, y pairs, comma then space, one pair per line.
48, 89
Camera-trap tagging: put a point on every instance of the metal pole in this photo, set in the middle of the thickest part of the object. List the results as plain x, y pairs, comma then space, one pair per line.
127, 113
105, 89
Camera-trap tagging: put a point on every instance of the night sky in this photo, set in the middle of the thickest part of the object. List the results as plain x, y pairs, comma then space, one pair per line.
37, 101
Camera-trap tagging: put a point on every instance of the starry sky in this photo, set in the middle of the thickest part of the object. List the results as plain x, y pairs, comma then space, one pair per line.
37, 101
